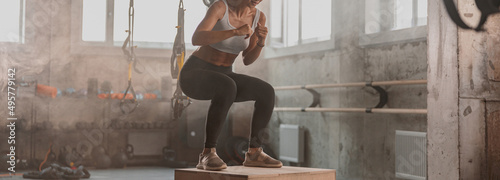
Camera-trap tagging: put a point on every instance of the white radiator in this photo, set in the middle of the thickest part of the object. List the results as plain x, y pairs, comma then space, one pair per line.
411, 155
148, 143
291, 143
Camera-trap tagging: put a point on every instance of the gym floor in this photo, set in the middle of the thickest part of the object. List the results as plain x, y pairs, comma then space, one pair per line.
149, 173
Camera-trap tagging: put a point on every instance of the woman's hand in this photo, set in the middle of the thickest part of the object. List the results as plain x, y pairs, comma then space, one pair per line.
244, 30
257, 41
261, 33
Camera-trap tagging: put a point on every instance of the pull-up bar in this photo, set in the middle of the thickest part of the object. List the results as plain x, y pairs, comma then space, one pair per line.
383, 97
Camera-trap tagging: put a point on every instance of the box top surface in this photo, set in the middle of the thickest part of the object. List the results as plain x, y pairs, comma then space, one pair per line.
260, 172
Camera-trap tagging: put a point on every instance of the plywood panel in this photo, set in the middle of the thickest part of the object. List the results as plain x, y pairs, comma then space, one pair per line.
472, 139
479, 55
493, 41
493, 139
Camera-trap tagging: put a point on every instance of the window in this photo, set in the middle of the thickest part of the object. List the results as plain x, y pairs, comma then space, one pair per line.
297, 22
106, 22
389, 15
410, 13
388, 21
12, 21
94, 20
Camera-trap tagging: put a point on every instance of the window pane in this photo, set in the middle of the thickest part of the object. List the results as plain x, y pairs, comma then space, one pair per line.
292, 26
10, 20
276, 15
372, 16
422, 12
316, 20
120, 20
403, 14
153, 20
195, 12
94, 20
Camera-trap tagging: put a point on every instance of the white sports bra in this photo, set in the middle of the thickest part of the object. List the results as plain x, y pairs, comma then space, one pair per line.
235, 44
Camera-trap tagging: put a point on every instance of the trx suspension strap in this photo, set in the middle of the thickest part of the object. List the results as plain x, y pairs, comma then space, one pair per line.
487, 8
179, 101
128, 105
130, 39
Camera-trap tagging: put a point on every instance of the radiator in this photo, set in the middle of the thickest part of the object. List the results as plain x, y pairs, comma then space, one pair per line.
411, 155
147, 143
291, 143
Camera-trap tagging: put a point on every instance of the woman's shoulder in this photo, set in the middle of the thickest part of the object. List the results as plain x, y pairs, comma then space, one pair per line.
218, 8
219, 5
262, 16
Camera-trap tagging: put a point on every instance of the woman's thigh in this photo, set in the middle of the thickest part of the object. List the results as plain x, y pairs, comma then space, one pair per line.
251, 88
204, 84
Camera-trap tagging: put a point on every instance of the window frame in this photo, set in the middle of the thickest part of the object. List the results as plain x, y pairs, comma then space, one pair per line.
109, 46
22, 27
388, 35
272, 51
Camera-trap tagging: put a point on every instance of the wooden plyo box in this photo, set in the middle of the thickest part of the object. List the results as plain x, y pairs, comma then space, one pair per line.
253, 173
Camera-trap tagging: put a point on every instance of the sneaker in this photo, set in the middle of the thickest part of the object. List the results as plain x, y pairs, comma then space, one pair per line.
261, 159
211, 161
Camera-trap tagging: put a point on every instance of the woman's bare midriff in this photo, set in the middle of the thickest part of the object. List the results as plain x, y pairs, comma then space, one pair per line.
215, 56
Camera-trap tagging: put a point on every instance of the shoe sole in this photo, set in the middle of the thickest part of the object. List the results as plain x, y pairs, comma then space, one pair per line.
262, 165
211, 168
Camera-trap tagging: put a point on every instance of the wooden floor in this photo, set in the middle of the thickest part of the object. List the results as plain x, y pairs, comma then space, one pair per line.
244, 173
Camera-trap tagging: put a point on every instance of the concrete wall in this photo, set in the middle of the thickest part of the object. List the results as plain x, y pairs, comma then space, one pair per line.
463, 95
359, 146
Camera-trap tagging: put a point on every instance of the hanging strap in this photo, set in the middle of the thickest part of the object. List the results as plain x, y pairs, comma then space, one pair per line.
129, 41
179, 48
129, 105
179, 101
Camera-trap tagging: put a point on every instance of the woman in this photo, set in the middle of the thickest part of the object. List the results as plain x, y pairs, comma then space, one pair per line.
207, 75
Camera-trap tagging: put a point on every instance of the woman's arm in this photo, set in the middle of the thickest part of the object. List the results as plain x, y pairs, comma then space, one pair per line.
257, 42
203, 35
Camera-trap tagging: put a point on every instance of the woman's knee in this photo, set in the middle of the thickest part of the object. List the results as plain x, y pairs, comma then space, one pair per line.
265, 93
268, 90
226, 88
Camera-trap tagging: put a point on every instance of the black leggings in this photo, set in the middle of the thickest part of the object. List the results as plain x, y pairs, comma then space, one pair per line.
205, 81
